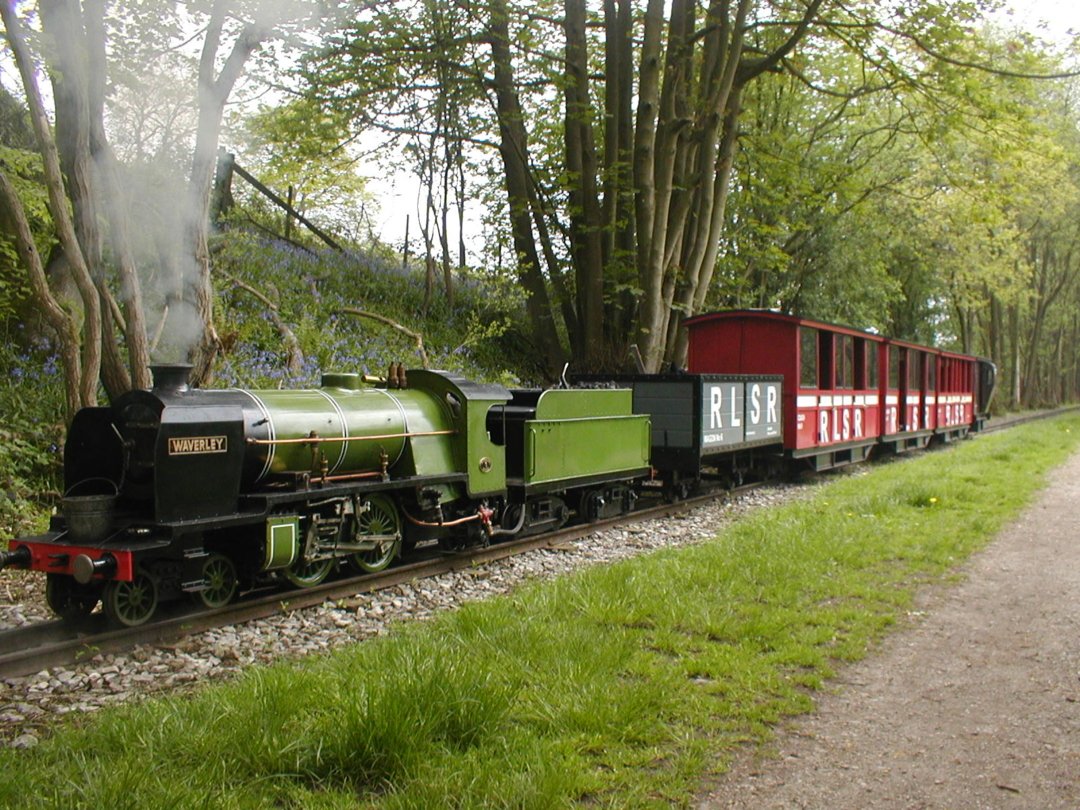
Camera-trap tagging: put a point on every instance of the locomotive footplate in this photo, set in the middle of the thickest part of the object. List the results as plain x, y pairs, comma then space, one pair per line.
257, 507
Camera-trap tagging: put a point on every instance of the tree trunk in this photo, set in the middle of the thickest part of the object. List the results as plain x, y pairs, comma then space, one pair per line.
90, 361
691, 158
14, 220
1015, 351
586, 234
78, 79
692, 298
192, 284
444, 230
617, 213
653, 242
513, 149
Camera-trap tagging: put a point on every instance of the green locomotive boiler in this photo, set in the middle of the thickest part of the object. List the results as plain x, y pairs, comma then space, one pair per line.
178, 491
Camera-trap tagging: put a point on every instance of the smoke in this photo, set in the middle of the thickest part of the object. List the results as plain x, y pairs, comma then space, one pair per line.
149, 92
181, 327
156, 124
152, 122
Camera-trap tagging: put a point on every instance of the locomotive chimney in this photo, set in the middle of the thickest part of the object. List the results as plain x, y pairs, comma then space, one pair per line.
171, 377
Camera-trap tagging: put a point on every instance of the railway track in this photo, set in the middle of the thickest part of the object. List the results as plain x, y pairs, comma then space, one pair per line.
26, 650
1014, 420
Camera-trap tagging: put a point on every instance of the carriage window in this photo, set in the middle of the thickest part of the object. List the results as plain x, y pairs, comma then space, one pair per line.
914, 370
931, 373
845, 360
894, 367
871, 366
860, 364
826, 359
808, 374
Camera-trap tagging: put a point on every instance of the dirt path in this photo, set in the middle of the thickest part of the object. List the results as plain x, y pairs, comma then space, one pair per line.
975, 705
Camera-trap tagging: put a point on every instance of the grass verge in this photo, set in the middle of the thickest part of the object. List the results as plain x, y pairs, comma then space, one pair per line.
621, 686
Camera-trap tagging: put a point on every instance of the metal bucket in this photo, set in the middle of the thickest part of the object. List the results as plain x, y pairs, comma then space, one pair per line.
89, 516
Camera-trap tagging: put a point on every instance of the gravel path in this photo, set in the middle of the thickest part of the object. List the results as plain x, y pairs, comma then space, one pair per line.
976, 704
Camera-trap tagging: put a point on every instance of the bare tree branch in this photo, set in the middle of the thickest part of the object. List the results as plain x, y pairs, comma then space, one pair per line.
393, 325
985, 68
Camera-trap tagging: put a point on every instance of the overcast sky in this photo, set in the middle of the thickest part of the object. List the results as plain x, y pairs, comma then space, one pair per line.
1052, 19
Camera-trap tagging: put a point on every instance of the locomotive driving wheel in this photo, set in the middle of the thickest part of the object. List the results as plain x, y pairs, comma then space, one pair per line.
313, 565
130, 603
68, 599
380, 520
309, 573
220, 575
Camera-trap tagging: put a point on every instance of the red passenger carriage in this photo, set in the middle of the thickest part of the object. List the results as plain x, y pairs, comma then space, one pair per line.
958, 377
910, 394
928, 393
855, 389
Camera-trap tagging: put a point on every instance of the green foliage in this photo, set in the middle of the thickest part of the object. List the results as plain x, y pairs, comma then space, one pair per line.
809, 223
31, 432
620, 686
304, 145
880, 169
16, 131
918, 196
31, 389
24, 169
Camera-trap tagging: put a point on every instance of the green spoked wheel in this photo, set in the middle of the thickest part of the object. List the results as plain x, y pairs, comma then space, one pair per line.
219, 574
130, 603
68, 599
308, 574
379, 520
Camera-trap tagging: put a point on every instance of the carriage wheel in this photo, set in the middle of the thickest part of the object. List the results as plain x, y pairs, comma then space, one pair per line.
130, 603
592, 505
67, 599
381, 518
221, 582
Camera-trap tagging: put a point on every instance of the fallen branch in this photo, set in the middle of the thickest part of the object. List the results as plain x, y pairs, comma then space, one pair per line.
294, 355
394, 325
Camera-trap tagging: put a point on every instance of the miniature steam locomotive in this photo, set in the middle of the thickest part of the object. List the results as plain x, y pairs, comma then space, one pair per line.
175, 490
178, 491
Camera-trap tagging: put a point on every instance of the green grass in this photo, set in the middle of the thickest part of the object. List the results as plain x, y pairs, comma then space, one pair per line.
622, 686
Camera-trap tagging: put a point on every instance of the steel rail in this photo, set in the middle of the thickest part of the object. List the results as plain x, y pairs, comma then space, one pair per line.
1022, 419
